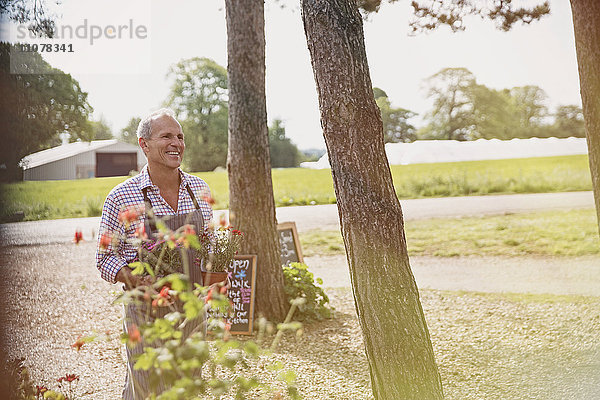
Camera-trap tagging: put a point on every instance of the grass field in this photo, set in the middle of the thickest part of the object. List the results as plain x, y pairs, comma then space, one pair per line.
556, 233
298, 186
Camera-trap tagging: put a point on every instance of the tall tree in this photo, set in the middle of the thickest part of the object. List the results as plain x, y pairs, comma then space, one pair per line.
199, 98
568, 121
129, 133
586, 21
32, 12
396, 337
452, 114
36, 108
251, 200
530, 108
100, 129
284, 153
396, 127
402, 366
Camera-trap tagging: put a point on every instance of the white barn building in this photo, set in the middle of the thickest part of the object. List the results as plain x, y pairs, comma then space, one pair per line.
79, 160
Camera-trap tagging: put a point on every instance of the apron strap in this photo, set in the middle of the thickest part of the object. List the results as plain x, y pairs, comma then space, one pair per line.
149, 207
149, 204
193, 197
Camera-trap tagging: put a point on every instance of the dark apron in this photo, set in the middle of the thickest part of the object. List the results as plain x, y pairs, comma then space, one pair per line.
137, 384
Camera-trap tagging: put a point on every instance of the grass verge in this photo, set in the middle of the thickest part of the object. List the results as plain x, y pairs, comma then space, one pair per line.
554, 233
299, 186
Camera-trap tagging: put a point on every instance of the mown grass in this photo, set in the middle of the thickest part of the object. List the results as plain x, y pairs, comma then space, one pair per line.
554, 233
298, 186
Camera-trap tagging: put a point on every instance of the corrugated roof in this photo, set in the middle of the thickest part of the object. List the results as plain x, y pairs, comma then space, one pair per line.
65, 151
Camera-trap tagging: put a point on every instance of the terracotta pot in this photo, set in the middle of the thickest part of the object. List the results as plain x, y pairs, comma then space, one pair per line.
208, 278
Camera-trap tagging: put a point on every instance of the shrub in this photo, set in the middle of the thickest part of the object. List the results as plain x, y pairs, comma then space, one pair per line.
300, 283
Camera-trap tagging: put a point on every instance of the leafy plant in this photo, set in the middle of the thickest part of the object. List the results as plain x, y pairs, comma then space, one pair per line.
188, 364
299, 282
18, 382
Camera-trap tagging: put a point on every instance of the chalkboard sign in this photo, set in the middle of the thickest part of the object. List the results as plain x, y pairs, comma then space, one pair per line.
242, 274
289, 242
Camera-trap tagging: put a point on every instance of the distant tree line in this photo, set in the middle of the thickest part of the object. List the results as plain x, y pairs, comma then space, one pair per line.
466, 110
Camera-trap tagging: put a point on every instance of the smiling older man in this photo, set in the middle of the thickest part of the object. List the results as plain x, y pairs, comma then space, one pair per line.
171, 193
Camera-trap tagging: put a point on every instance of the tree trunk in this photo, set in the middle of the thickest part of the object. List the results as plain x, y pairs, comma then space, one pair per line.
251, 203
586, 21
397, 342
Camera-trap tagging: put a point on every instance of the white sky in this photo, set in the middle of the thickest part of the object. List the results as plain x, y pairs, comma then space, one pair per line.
541, 54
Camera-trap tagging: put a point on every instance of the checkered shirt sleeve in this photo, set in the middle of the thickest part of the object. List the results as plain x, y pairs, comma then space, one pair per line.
114, 254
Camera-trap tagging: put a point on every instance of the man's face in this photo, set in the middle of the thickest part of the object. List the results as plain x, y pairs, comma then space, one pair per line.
165, 146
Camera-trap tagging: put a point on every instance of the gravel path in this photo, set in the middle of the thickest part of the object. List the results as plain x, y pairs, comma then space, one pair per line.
554, 275
487, 345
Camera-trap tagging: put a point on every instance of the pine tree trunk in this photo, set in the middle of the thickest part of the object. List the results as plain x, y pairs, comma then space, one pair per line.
397, 342
251, 201
586, 21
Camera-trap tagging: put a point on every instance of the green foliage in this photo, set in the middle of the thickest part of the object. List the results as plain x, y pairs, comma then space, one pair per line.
466, 110
568, 121
100, 130
16, 383
284, 153
35, 108
129, 133
227, 366
451, 117
299, 282
299, 186
395, 120
199, 98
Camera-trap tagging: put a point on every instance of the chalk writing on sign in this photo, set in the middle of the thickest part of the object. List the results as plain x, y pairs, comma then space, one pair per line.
242, 275
289, 243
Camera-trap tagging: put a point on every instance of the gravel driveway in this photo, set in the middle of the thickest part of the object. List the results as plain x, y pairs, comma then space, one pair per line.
487, 346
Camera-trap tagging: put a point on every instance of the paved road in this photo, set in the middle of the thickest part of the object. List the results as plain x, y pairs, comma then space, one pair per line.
325, 216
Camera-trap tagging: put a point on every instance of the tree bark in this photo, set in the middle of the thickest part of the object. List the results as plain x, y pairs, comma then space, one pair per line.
398, 347
586, 21
251, 203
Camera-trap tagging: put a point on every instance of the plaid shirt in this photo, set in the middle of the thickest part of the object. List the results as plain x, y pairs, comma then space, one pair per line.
119, 253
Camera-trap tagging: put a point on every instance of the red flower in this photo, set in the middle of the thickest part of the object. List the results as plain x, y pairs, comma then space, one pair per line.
189, 230
78, 343
164, 292
222, 220
134, 334
163, 297
41, 390
209, 296
209, 200
78, 237
71, 377
130, 214
141, 232
105, 240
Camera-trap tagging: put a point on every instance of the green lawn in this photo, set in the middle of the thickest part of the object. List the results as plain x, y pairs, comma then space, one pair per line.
554, 233
298, 186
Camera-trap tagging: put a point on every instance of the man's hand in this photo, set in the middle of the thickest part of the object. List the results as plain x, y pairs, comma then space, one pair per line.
132, 281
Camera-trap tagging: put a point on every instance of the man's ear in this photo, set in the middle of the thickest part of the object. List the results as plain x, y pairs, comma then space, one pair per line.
143, 144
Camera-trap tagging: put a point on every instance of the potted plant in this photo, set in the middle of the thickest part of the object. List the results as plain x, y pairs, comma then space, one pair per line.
217, 250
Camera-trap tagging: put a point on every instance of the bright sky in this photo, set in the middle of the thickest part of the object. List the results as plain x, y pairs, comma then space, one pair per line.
127, 78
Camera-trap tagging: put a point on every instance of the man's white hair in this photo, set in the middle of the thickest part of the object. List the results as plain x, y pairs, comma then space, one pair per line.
144, 129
